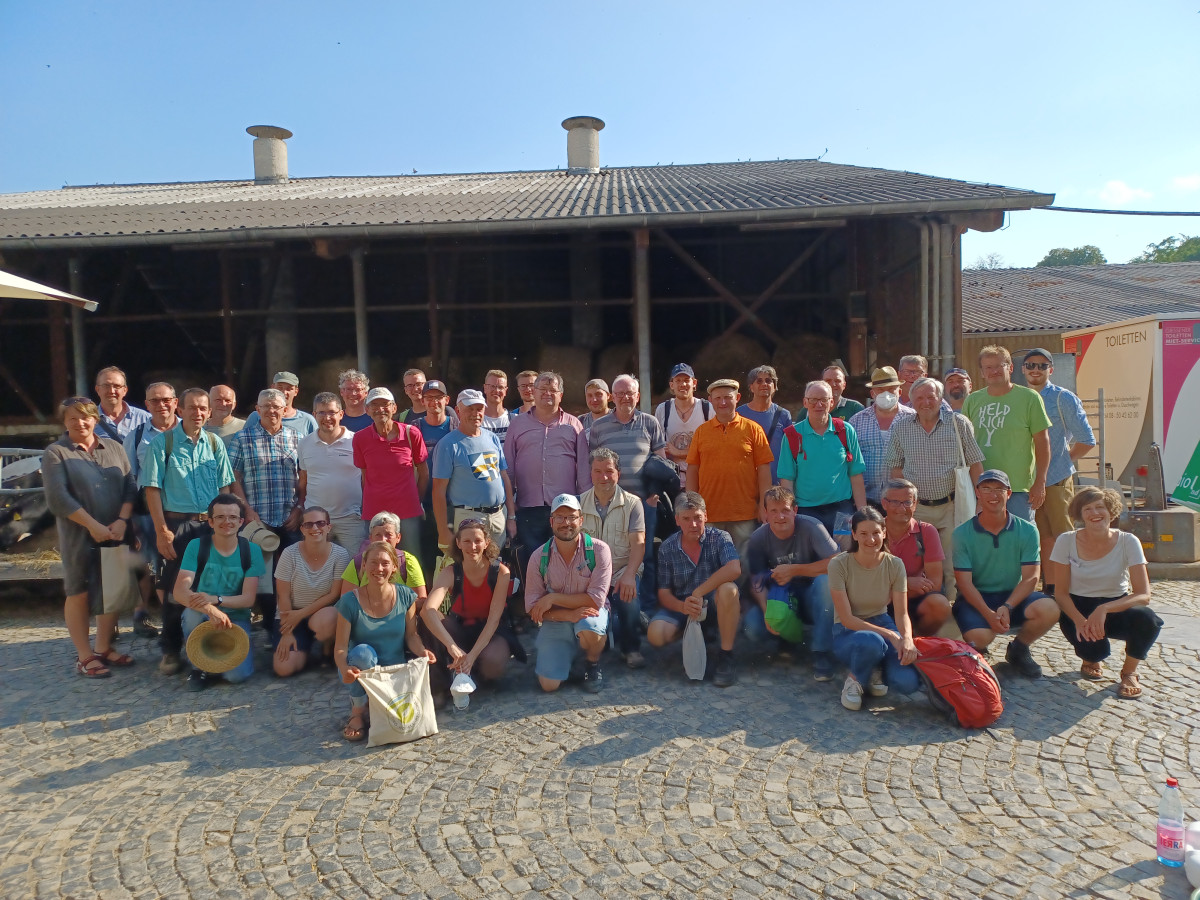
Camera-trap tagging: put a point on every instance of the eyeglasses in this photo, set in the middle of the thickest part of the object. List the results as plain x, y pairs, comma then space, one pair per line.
907, 504
818, 401
323, 413
992, 490
1041, 367
166, 401
563, 520
320, 524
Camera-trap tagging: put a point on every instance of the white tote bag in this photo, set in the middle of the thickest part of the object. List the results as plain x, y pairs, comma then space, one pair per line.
695, 654
401, 705
964, 487
118, 580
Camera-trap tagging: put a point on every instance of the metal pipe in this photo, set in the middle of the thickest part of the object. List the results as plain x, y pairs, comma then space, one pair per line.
358, 271
78, 342
923, 290
641, 311
582, 223
946, 350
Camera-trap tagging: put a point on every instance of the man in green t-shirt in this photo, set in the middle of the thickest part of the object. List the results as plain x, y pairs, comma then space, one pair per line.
996, 565
1012, 429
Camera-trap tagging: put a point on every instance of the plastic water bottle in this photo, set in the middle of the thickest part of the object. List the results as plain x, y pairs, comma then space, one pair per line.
1170, 825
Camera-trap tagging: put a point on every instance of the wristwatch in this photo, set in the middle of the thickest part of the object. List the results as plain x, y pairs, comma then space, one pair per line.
220, 600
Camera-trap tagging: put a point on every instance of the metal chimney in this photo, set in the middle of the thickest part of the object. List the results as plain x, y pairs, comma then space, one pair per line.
270, 154
583, 144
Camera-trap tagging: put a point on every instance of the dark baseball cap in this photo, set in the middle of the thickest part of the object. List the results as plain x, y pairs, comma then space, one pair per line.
1038, 351
682, 369
994, 475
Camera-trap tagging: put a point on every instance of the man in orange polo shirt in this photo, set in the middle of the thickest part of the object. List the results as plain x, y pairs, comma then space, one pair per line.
729, 465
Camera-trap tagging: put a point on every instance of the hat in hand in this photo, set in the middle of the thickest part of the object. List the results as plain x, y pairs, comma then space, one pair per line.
216, 650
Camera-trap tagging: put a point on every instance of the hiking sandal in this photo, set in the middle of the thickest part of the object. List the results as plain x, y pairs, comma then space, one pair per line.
117, 660
355, 733
1092, 671
85, 668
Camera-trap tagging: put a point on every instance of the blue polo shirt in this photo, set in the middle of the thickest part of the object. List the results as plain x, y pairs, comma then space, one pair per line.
995, 560
821, 474
472, 466
192, 476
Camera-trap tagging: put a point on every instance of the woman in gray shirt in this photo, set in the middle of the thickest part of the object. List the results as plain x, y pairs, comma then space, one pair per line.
90, 490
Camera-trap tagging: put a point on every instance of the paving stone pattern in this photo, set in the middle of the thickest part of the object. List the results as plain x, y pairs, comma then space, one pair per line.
658, 787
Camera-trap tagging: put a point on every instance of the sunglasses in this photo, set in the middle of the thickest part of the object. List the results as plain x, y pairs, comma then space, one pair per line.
75, 401
471, 523
1041, 367
320, 524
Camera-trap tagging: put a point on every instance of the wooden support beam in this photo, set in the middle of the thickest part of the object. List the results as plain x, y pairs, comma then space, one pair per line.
58, 351
431, 288
732, 299
78, 341
227, 313
641, 311
21, 393
359, 275
779, 282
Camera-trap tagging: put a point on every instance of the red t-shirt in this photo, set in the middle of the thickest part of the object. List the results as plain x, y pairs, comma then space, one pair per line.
389, 470
475, 602
910, 553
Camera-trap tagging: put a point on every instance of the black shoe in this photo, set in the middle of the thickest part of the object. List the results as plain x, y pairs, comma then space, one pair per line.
1017, 655
198, 681
593, 678
723, 675
142, 627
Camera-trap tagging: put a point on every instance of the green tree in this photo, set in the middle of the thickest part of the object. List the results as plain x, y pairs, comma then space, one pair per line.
1087, 255
1177, 248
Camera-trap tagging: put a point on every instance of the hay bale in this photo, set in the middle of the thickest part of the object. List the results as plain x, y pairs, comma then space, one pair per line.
728, 357
323, 376
799, 359
574, 364
613, 361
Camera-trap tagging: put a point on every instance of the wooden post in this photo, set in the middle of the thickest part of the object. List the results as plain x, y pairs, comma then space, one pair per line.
641, 311
431, 286
358, 270
58, 351
78, 343
227, 314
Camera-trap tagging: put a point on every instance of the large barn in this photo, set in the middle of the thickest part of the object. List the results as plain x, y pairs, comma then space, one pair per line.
587, 269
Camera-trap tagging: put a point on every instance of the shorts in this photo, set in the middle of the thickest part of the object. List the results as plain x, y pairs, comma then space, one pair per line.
302, 633
557, 644
1052, 518
969, 618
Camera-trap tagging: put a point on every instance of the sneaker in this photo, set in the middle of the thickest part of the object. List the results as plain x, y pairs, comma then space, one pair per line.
169, 664
723, 675
593, 678
1017, 655
876, 687
635, 660
852, 694
822, 667
198, 681
143, 627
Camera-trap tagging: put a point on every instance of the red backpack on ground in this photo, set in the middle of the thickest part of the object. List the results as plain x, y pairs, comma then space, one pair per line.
960, 682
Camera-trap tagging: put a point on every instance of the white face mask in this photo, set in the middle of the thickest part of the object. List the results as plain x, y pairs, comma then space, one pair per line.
887, 401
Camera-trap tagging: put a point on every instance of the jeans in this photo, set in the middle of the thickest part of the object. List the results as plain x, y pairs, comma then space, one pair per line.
864, 651
186, 530
826, 513
533, 530
648, 588
1137, 626
191, 619
1018, 505
812, 605
624, 627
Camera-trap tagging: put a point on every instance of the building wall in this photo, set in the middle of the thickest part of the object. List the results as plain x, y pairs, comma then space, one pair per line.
1013, 341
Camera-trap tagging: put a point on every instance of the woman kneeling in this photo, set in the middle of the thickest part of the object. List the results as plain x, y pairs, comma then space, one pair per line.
476, 585
862, 581
381, 615
1102, 586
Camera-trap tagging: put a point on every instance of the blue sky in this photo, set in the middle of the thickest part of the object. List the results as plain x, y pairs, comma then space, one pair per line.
1084, 100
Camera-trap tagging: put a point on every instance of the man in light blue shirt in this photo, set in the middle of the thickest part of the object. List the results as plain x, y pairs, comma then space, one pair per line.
1071, 437
288, 384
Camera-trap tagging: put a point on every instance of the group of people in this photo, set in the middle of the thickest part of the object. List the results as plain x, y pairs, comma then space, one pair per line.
835, 527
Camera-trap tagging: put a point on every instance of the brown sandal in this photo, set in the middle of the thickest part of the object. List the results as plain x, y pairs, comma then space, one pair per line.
85, 668
114, 659
1130, 688
1092, 671
352, 733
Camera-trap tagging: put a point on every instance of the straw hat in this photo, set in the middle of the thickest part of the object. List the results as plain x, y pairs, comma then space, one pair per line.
261, 535
217, 650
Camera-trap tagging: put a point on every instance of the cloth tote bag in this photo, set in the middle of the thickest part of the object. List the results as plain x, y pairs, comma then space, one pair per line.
964, 488
401, 705
118, 580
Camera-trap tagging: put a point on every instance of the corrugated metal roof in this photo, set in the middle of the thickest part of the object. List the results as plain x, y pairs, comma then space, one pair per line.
501, 201
1062, 297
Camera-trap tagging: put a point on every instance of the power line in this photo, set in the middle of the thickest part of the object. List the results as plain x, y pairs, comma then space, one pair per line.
1117, 212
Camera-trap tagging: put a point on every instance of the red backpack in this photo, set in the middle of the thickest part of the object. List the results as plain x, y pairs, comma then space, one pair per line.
796, 440
960, 682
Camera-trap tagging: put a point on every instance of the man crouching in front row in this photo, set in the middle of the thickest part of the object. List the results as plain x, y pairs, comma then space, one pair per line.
697, 568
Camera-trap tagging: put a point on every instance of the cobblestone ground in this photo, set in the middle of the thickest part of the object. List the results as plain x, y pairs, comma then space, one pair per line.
657, 787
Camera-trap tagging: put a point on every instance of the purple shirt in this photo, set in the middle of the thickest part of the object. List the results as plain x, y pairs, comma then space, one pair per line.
569, 578
546, 460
